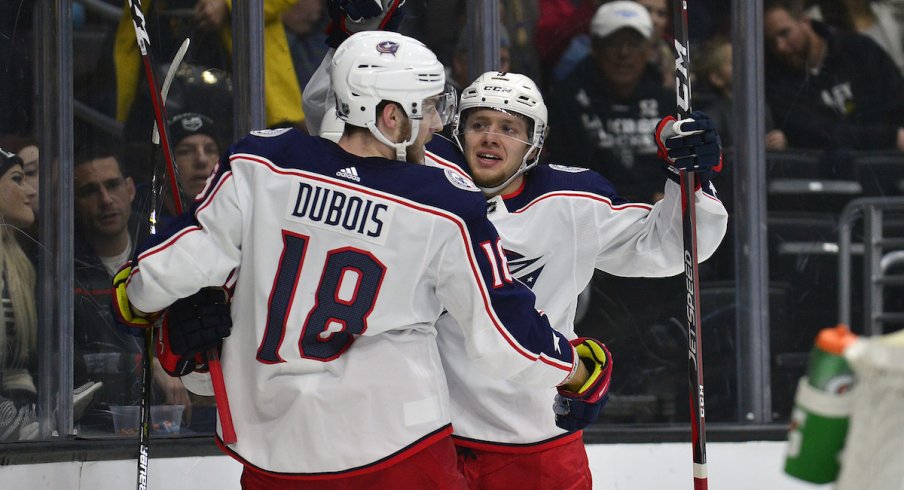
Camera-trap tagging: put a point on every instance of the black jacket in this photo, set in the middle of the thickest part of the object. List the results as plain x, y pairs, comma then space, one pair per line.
855, 101
615, 138
104, 350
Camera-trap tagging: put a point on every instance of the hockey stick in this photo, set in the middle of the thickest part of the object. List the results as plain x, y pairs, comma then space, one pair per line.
155, 135
689, 225
213, 361
147, 378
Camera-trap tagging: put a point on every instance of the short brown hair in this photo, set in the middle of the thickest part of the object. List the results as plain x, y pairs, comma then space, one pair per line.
794, 7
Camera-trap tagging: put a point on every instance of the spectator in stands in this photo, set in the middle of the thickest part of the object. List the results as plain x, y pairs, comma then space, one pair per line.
520, 18
830, 89
457, 71
713, 70
18, 316
561, 23
103, 243
282, 95
577, 45
607, 109
26, 147
196, 149
439, 26
872, 18
196, 144
28, 152
305, 24
663, 56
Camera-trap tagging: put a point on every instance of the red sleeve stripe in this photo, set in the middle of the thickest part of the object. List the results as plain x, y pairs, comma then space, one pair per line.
442, 162
587, 195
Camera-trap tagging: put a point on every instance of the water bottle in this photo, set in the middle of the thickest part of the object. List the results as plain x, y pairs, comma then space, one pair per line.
822, 406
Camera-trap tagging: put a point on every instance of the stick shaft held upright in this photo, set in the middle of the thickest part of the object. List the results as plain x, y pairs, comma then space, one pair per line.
689, 226
213, 361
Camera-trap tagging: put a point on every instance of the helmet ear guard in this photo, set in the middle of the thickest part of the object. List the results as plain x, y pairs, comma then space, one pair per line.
507, 92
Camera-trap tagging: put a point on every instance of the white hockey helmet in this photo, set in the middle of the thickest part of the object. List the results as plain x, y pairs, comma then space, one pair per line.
507, 92
372, 66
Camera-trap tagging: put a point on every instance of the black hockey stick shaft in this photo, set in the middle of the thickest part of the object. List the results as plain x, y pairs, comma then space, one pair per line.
146, 368
213, 361
689, 226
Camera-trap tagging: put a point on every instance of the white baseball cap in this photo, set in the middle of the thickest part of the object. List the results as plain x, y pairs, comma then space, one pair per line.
613, 16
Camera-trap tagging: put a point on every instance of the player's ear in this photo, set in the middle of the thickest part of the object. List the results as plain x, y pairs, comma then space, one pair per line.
391, 116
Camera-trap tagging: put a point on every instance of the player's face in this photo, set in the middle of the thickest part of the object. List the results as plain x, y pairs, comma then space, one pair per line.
103, 198
787, 38
29, 156
432, 122
196, 156
495, 143
16, 195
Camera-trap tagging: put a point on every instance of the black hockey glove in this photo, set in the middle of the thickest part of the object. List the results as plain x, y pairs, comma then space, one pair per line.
355, 10
573, 415
191, 326
692, 144
575, 410
351, 16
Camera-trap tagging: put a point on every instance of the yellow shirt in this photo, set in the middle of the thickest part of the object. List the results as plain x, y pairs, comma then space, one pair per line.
282, 95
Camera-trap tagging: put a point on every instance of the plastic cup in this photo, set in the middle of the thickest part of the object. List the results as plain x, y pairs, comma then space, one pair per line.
126, 419
166, 419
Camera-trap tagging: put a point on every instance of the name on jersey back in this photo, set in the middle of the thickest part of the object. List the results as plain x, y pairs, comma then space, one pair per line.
340, 210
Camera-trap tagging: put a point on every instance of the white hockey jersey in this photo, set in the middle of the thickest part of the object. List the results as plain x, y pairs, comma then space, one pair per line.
560, 226
332, 366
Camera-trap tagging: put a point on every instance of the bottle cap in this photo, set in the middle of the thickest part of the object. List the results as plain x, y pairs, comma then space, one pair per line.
836, 339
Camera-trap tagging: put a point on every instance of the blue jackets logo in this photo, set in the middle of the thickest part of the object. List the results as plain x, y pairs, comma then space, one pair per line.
388, 47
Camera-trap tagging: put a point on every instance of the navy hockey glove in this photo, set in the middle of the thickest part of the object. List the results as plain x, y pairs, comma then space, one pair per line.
692, 144
573, 415
191, 326
355, 10
574, 410
351, 16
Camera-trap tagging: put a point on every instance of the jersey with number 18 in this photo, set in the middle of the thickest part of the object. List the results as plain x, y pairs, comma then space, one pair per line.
342, 265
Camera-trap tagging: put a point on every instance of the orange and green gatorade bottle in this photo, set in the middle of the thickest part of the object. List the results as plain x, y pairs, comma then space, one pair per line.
822, 407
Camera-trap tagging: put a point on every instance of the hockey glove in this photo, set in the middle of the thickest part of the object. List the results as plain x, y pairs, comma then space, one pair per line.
355, 10
573, 415
122, 309
692, 144
191, 326
351, 16
574, 410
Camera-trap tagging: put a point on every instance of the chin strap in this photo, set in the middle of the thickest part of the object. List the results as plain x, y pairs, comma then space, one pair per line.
524, 167
492, 191
400, 147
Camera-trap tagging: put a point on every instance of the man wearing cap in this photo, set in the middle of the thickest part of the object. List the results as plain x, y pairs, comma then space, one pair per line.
195, 141
195, 149
606, 110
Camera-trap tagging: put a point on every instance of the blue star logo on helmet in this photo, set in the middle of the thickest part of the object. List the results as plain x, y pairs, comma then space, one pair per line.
388, 47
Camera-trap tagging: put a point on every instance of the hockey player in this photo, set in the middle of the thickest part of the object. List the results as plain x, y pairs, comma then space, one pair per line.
557, 225
343, 259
